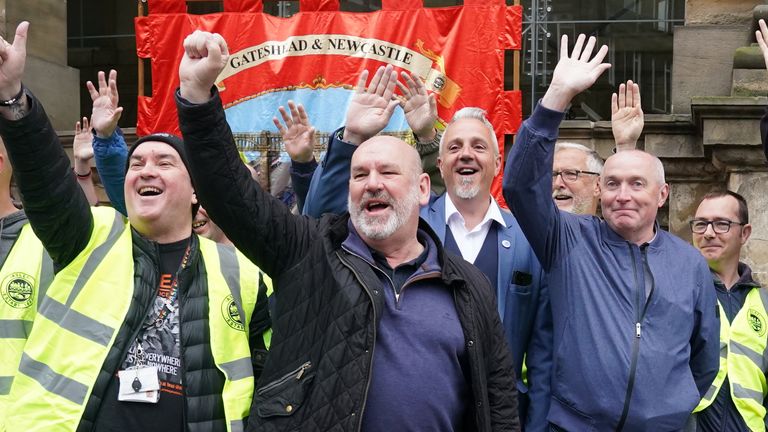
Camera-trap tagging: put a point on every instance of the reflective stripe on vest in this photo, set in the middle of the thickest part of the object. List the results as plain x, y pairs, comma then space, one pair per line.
85, 305
21, 283
744, 359
233, 284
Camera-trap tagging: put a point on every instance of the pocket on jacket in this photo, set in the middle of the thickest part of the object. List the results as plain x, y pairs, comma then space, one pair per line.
285, 395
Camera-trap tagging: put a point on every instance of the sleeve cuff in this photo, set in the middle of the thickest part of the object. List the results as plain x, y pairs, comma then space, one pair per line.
546, 121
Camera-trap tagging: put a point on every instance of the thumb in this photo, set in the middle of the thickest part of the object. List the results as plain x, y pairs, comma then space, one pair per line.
20, 39
394, 103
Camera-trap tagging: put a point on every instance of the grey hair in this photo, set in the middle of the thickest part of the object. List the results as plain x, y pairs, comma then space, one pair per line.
594, 161
477, 114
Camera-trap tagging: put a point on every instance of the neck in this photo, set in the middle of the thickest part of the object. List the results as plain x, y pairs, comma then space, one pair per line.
639, 237
6, 205
728, 273
473, 210
397, 248
164, 235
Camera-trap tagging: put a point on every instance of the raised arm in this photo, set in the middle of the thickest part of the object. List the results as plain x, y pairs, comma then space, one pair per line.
259, 225
82, 152
299, 141
528, 176
627, 119
368, 113
53, 201
110, 150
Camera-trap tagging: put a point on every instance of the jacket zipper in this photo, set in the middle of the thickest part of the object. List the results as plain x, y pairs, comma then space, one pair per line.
295, 374
373, 346
640, 310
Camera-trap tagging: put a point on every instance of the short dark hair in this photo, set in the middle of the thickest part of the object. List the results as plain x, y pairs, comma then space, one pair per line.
743, 209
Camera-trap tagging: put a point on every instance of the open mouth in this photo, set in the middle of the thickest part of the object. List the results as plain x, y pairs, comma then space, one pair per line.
466, 171
562, 197
375, 206
149, 191
196, 225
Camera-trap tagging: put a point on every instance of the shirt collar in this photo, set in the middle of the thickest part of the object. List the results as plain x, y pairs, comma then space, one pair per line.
493, 213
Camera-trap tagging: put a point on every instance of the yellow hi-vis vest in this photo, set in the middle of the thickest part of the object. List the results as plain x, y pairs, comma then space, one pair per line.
744, 359
26, 272
79, 318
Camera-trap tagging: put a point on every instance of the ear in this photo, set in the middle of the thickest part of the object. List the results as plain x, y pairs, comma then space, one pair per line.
498, 165
596, 192
194, 198
425, 186
663, 194
746, 231
440, 166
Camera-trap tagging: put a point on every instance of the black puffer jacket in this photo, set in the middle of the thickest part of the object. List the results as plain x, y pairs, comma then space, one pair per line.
62, 220
318, 369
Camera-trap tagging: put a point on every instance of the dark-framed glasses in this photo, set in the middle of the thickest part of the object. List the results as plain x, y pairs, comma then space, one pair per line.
571, 175
719, 226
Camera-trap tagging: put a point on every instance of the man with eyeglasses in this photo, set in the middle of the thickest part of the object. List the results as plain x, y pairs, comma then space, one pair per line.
735, 400
577, 168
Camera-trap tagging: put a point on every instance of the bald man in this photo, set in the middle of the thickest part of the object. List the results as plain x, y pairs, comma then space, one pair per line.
635, 323
375, 327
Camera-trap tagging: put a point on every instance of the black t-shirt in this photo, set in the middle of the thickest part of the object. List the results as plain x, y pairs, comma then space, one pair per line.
159, 336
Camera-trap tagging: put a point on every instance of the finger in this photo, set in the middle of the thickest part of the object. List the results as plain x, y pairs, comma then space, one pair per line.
213, 47
577, 47
374, 84
391, 108
360, 88
403, 90
312, 136
432, 105
419, 85
302, 114
20, 39
635, 94
588, 49
86, 124
117, 113
284, 114
564, 46
614, 104
77, 128
278, 125
223, 48
763, 29
600, 55
102, 83
597, 71
389, 90
622, 96
92, 90
294, 112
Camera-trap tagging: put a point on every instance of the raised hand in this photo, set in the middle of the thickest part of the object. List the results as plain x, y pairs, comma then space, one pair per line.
82, 144
370, 109
574, 73
626, 116
420, 107
762, 39
298, 133
205, 56
13, 57
106, 111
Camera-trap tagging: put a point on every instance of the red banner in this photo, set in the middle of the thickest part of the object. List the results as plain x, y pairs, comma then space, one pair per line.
316, 56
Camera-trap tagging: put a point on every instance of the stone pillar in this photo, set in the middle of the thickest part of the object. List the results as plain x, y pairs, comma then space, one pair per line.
46, 73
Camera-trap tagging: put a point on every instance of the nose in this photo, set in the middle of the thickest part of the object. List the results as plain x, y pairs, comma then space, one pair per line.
557, 182
710, 232
623, 193
373, 182
148, 170
466, 152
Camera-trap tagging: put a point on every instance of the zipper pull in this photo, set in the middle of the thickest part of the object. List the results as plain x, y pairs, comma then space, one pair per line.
303, 368
637, 329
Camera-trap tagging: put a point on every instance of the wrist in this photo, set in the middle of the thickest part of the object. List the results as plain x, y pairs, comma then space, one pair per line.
557, 98
104, 133
425, 136
82, 173
194, 94
12, 94
353, 138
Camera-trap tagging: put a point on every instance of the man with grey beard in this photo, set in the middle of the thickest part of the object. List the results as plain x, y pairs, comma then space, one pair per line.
375, 327
466, 218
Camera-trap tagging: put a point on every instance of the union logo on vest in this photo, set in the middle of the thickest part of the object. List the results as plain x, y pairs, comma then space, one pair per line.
18, 290
231, 314
756, 321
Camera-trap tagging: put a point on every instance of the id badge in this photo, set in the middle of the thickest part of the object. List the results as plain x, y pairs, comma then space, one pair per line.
139, 384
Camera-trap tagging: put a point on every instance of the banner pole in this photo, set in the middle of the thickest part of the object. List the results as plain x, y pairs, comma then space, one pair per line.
140, 63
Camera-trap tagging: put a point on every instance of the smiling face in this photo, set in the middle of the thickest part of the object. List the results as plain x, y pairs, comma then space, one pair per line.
631, 192
468, 161
158, 193
386, 188
202, 225
721, 249
578, 197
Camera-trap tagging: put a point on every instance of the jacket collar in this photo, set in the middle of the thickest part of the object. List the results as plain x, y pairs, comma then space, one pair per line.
613, 237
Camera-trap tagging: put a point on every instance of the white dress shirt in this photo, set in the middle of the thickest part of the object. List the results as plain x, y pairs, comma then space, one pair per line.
470, 242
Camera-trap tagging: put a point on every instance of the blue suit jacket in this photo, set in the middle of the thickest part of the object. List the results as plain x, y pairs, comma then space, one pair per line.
522, 292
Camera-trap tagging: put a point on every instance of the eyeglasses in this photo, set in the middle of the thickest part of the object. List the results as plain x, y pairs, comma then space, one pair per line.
571, 175
720, 226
